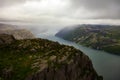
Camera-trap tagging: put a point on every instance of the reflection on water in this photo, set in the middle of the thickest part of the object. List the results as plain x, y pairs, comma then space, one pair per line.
106, 64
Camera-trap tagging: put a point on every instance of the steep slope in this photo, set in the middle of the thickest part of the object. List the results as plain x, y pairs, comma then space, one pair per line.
102, 37
16, 32
40, 59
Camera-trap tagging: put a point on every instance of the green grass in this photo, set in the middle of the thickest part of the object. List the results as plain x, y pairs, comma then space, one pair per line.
112, 49
22, 54
95, 37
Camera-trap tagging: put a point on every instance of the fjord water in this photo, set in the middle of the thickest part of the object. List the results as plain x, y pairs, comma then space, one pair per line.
106, 64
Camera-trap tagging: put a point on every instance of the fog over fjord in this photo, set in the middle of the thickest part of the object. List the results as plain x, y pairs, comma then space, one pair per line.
52, 15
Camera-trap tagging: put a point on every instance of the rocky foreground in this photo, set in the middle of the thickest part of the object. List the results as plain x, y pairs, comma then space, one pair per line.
40, 59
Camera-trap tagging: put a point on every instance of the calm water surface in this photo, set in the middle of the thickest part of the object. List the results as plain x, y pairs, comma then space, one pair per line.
105, 64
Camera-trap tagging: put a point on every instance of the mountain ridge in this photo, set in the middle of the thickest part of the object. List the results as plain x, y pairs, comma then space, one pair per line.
101, 37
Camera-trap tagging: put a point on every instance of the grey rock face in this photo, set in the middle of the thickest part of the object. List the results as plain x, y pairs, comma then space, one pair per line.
79, 69
19, 34
6, 39
16, 32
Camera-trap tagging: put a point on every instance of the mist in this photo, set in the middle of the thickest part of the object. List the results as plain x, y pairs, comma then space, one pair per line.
50, 16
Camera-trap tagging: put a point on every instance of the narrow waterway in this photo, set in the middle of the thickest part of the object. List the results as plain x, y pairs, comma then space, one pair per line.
105, 64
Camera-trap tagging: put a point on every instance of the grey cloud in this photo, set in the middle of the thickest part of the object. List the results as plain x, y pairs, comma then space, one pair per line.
98, 9
4, 3
106, 8
96, 4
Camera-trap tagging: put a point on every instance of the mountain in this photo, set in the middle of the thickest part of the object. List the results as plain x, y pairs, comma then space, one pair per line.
18, 33
101, 37
7, 27
41, 59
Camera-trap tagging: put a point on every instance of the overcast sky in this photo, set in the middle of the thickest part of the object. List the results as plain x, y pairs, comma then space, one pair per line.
61, 11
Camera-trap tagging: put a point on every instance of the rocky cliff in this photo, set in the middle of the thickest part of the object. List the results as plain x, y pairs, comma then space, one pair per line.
40, 59
19, 33
16, 32
6, 39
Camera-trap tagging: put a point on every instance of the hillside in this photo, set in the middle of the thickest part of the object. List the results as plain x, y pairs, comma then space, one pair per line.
40, 59
101, 37
18, 33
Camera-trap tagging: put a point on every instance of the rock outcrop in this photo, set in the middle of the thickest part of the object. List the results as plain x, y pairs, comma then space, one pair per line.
6, 39
19, 33
40, 59
80, 68
16, 32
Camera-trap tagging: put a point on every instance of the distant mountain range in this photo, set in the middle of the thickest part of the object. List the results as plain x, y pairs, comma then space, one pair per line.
7, 27
101, 37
